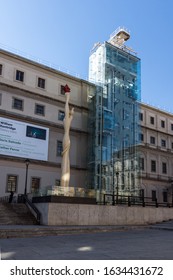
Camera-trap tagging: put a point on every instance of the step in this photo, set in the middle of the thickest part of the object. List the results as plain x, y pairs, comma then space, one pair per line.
15, 213
39, 231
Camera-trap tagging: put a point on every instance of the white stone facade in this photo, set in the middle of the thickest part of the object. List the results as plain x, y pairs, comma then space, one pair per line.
22, 99
157, 152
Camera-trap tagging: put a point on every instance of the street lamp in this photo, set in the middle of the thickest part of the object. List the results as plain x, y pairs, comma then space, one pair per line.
117, 174
27, 161
172, 192
113, 201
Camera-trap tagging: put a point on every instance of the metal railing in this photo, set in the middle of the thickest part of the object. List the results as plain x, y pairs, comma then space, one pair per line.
4, 199
134, 200
33, 209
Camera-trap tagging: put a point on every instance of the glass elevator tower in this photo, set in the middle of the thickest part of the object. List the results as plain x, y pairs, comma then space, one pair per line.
113, 162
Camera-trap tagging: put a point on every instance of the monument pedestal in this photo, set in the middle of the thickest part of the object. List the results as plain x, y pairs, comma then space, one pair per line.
64, 199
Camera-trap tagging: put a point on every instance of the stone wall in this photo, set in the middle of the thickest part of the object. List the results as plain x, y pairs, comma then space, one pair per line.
80, 214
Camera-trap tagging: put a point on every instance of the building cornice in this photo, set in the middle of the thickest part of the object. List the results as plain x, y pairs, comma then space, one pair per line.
161, 111
44, 67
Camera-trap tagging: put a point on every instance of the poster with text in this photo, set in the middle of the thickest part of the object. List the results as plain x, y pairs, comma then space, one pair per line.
23, 139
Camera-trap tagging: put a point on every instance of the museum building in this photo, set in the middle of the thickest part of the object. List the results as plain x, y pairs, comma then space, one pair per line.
116, 141
31, 125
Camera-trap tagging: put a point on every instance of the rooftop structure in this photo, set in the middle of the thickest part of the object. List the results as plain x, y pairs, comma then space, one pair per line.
113, 115
119, 36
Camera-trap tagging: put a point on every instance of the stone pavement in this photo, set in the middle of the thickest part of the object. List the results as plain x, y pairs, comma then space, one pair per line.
165, 225
20, 231
152, 242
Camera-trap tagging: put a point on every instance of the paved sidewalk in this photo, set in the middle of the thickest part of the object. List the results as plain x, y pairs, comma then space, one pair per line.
72, 229
165, 225
17, 231
119, 243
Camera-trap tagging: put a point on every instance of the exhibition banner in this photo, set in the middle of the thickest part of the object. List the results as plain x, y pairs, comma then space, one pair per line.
24, 140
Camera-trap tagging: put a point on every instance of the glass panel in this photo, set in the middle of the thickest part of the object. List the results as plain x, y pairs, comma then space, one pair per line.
35, 185
59, 148
19, 75
165, 196
153, 166
61, 115
41, 83
164, 167
18, 104
39, 109
113, 120
153, 193
62, 90
0, 69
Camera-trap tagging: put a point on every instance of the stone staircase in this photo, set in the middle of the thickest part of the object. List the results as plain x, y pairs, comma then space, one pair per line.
15, 214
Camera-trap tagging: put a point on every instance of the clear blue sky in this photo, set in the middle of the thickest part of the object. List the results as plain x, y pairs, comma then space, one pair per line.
64, 31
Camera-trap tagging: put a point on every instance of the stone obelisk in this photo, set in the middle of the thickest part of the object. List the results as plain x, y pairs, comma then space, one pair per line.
65, 165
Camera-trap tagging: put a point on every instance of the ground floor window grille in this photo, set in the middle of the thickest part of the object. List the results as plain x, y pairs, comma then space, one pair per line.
35, 185
11, 183
165, 196
59, 148
0, 69
57, 182
153, 195
141, 193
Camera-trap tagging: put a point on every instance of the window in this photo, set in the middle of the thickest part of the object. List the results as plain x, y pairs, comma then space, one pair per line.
125, 114
152, 140
19, 76
132, 164
172, 145
162, 124
11, 183
141, 116
164, 167
153, 195
165, 196
141, 137
61, 115
0, 98
171, 126
132, 180
57, 182
41, 83
39, 109
59, 148
0, 69
141, 193
153, 166
35, 185
17, 104
152, 120
142, 163
163, 143
62, 90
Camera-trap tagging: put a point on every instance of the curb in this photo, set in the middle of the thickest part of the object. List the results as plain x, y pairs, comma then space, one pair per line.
39, 232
